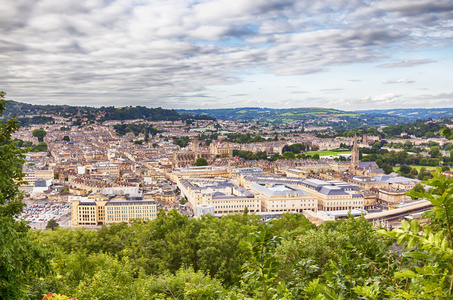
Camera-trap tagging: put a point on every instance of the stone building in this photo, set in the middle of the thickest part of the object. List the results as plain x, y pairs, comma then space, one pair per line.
89, 212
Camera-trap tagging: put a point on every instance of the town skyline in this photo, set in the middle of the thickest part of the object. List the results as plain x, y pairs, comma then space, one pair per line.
348, 55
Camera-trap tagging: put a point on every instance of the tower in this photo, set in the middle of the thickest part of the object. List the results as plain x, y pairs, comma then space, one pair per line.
354, 157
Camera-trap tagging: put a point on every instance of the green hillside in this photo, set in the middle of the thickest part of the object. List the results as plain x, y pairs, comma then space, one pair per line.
321, 116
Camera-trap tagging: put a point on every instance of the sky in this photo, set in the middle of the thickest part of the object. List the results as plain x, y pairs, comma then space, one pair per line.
182, 54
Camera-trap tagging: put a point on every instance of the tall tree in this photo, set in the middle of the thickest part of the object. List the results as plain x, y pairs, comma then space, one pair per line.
201, 161
40, 134
21, 259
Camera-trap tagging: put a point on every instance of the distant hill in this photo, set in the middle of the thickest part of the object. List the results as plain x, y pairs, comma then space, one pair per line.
335, 117
320, 116
271, 115
40, 114
413, 113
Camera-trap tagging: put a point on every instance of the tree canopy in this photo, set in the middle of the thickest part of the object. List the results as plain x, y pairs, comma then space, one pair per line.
22, 260
201, 161
40, 134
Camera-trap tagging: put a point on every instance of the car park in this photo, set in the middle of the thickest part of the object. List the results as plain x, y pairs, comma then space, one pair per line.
42, 212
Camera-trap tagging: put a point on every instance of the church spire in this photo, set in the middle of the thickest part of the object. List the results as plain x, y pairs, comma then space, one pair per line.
354, 155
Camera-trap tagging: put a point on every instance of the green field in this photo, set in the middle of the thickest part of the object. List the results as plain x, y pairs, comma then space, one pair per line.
396, 169
328, 152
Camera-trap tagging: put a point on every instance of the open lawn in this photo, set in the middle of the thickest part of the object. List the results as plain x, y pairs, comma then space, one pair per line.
396, 169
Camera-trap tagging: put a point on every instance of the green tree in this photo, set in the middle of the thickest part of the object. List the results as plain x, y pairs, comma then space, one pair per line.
39, 147
418, 188
22, 260
66, 138
288, 155
448, 146
201, 161
435, 152
52, 224
413, 172
262, 264
404, 169
432, 276
40, 134
387, 168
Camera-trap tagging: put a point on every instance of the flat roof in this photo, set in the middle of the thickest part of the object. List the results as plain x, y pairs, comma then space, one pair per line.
130, 202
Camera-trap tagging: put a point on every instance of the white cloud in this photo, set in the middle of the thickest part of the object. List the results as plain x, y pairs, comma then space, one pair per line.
404, 80
406, 63
149, 52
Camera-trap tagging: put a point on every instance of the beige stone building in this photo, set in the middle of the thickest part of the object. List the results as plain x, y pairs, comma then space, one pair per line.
89, 212
160, 197
127, 210
108, 168
31, 175
225, 196
283, 198
367, 183
188, 158
330, 195
204, 172
391, 197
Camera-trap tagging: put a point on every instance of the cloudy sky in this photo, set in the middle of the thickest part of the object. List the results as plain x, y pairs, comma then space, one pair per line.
345, 54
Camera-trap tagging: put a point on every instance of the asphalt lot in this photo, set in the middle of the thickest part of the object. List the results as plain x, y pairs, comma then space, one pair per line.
38, 213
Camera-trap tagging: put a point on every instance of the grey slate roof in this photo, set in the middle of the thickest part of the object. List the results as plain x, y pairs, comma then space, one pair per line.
330, 190
368, 165
277, 190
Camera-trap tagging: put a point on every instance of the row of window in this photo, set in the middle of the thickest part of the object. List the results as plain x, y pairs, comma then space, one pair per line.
234, 206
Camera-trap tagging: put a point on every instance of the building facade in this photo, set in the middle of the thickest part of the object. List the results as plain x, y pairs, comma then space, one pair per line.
89, 212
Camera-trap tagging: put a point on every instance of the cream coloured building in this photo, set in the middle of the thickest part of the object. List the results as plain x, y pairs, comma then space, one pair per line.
205, 172
392, 196
127, 210
330, 195
108, 168
221, 150
225, 196
283, 198
31, 175
333, 197
89, 212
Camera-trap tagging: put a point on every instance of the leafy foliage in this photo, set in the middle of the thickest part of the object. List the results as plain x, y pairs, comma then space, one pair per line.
22, 260
201, 161
431, 246
40, 134
122, 129
182, 141
52, 224
39, 147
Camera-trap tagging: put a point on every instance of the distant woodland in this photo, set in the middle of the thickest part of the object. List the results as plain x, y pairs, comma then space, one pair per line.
33, 114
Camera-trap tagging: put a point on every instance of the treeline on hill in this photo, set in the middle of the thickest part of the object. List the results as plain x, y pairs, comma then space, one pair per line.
145, 113
414, 113
91, 113
420, 128
136, 128
36, 120
342, 119
241, 257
